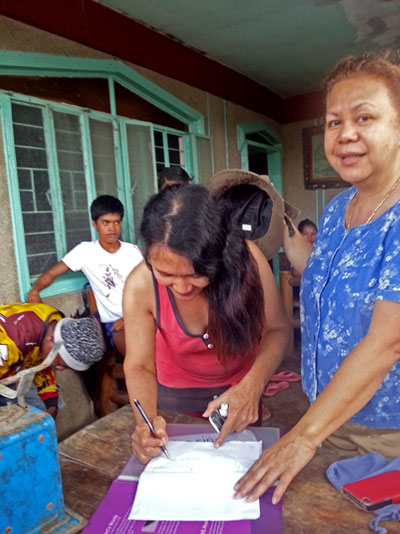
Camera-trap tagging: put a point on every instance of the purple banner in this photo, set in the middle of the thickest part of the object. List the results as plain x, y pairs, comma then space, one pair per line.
112, 518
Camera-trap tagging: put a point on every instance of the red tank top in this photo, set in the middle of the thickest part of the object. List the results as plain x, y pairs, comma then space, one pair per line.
184, 360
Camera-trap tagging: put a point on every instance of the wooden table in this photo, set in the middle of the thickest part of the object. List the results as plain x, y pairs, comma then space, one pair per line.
93, 457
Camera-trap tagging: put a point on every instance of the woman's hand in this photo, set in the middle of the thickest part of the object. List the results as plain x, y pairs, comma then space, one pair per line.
282, 461
144, 445
243, 401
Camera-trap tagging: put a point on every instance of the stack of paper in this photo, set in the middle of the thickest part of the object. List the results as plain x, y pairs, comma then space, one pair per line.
197, 483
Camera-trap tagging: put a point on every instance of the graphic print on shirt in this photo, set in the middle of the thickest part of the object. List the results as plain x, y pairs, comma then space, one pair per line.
111, 277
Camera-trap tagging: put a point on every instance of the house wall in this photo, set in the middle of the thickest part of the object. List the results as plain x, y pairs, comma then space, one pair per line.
219, 124
294, 190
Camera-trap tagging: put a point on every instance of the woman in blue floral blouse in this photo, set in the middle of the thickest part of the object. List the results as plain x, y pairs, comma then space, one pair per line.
350, 290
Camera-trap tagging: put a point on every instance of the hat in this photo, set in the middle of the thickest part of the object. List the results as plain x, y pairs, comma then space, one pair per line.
83, 342
257, 207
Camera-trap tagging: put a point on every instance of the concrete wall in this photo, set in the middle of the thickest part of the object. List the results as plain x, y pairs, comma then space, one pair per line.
294, 190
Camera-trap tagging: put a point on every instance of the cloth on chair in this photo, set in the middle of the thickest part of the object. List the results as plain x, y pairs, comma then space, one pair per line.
360, 467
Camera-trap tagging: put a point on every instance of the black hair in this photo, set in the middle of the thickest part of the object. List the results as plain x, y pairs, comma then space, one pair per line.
106, 204
306, 222
171, 176
194, 224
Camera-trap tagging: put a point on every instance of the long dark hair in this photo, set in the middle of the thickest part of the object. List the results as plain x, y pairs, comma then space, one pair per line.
192, 223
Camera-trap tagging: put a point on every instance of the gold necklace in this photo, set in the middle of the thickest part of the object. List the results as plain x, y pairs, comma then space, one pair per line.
355, 199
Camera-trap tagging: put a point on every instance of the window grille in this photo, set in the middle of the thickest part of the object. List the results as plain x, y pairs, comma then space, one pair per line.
34, 187
169, 149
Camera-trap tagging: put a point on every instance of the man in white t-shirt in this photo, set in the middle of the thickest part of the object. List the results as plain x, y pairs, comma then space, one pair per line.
106, 263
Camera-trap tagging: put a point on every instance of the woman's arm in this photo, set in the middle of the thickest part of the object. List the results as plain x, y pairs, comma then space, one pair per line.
353, 385
297, 248
243, 398
139, 363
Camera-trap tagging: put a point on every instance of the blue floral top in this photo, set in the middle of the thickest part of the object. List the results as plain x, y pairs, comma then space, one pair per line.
346, 273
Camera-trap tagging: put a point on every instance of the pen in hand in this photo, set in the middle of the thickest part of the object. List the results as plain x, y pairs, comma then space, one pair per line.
151, 427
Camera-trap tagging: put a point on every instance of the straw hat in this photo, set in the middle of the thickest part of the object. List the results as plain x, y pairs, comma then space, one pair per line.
257, 207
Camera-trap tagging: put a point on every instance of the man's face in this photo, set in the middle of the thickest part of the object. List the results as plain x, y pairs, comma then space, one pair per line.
108, 227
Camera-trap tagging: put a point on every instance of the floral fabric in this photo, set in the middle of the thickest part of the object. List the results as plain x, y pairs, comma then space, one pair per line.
347, 272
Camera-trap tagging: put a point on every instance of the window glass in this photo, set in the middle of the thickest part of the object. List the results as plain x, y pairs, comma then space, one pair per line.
169, 149
141, 169
159, 148
103, 153
72, 178
34, 187
175, 150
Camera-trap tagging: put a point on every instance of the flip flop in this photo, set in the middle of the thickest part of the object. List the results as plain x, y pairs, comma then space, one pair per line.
286, 376
272, 388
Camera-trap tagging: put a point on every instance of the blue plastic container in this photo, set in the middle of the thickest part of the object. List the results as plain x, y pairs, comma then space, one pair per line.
31, 498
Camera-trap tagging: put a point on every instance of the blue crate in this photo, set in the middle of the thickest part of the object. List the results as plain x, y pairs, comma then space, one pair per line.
31, 498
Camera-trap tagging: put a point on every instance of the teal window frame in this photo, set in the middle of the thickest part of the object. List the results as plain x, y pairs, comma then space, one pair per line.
273, 147
187, 148
29, 64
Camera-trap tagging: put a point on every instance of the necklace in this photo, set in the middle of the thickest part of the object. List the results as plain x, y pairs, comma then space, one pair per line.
355, 199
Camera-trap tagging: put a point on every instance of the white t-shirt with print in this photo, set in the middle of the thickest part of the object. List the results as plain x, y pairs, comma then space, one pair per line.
106, 273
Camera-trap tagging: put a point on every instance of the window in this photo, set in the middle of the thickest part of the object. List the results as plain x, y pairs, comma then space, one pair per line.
65, 157
60, 156
169, 149
55, 204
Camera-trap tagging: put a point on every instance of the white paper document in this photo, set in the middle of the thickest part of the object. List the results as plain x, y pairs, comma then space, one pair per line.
197, 483
244, 435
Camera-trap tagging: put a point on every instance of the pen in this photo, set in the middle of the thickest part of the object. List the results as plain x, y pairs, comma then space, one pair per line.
149, 424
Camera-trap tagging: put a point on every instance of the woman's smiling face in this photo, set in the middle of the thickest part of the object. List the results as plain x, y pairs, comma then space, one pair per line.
176, 272
362, 132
